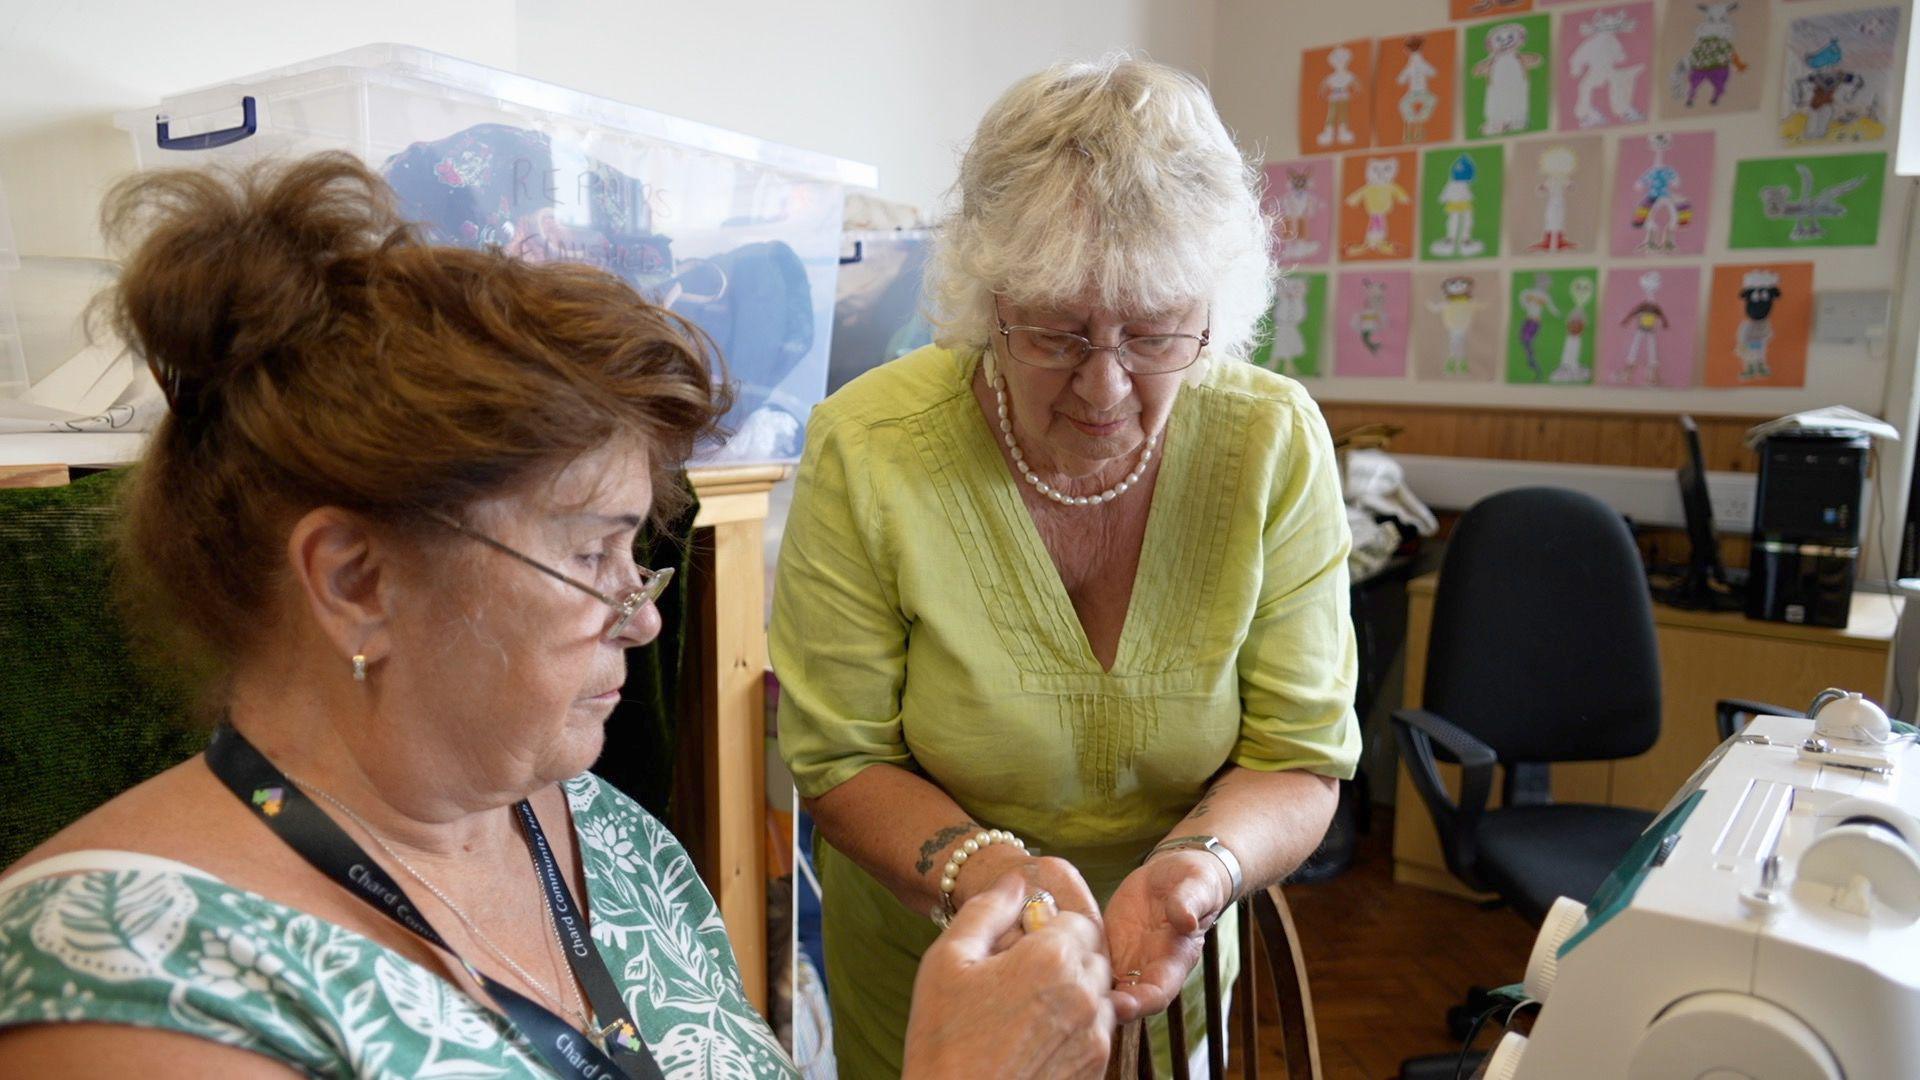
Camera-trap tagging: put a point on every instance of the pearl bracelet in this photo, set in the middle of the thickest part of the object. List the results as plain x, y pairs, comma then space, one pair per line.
943, 914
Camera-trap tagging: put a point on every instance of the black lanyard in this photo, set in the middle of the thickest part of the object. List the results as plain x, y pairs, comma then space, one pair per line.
305, 828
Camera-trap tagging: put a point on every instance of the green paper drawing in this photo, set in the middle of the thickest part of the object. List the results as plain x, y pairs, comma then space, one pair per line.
1508, 77
1293, 335
1460, 192
1798, 202
1550, 328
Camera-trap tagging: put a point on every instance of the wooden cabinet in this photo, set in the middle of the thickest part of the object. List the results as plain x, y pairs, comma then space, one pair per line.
1704, 657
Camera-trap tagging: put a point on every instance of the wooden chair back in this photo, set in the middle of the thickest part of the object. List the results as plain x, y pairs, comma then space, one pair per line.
1269, 942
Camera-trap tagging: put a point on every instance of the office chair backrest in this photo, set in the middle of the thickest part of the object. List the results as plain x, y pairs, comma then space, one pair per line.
1543, 643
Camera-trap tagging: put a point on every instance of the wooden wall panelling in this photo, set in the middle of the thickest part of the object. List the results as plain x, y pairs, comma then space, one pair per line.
1640, 440
1637, 440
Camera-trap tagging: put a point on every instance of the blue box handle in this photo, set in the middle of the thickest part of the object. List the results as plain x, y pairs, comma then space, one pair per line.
249, 123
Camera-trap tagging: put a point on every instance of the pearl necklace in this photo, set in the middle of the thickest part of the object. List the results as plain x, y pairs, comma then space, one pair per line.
1033, 478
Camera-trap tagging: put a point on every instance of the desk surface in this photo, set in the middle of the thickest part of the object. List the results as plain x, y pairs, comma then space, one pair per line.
1870, 625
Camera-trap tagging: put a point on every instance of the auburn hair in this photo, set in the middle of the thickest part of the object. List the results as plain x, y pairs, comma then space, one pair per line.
314, 351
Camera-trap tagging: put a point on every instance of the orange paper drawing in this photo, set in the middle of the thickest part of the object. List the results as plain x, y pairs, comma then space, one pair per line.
1758, 321
1487, 9
1336, 97
1376, 206
1413, 94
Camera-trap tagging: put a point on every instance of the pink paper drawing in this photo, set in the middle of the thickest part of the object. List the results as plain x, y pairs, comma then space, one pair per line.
1650, 327
1606, 61
1300, 197
1370, 316
1662, 194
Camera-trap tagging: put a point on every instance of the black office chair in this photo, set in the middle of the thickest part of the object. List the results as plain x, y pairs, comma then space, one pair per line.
1541, 650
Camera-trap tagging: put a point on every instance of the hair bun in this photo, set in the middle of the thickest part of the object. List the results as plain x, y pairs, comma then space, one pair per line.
225, 272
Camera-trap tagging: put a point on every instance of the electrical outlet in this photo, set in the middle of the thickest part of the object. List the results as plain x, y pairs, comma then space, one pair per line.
1732, 496
1849, 318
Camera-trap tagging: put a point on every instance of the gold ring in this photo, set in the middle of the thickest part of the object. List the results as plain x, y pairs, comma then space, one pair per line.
1037, 911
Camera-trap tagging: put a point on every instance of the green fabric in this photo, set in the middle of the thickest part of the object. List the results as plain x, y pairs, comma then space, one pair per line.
80, 719
919, 621
166, 950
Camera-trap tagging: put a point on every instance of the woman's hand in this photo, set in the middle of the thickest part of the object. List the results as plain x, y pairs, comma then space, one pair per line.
984, 869
992, 1000
1157, 922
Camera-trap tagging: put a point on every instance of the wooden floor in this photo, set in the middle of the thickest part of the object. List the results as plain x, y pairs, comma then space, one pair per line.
1385, 961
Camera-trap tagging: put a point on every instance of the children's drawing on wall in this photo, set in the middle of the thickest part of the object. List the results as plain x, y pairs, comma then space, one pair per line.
1605, 59
1549, 340
1336, 106
1297, 339
1481, 9
1661, 187
1299, 196
1553, 201
1414, 90
1649, 325
1663, 209
1507, 90
1370, 325
1457, 325
1830, 201
1838, 85
1460, 202
1707, 54
1574, 347
1376, 215
1758, 322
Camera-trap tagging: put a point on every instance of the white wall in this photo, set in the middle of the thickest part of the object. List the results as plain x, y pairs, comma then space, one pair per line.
895, 84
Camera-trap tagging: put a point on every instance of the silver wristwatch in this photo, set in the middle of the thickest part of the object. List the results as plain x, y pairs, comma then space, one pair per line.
1205, 843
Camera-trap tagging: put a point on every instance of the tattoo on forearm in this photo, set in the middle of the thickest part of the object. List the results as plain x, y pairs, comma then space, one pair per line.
1205, 804
938, 842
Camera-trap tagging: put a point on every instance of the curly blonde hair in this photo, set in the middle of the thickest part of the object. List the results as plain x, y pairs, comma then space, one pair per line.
1114, 178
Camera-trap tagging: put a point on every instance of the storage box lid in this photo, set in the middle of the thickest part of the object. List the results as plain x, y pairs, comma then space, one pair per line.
428, 71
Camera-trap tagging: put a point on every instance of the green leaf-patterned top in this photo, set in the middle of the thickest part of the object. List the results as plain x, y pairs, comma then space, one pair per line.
165, 949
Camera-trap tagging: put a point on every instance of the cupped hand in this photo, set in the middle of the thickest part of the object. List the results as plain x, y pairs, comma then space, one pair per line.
1156, 924
1037, 1007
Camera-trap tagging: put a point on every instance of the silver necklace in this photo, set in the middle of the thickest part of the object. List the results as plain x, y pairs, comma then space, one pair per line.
580, 1006
1026, 471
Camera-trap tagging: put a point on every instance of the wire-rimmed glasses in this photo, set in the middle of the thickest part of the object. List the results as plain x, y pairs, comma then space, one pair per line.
1141, 354
625, 605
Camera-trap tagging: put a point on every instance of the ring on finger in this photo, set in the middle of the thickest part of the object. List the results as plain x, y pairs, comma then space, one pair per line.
1038, 910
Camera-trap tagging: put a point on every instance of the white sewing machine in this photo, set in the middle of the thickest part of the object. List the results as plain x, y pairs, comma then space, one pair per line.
1763, 926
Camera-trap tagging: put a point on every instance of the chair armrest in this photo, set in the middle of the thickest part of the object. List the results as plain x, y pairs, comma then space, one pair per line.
1732, 714
1416, 730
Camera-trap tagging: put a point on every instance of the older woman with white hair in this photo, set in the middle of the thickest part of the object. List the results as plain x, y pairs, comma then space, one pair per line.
1064, 596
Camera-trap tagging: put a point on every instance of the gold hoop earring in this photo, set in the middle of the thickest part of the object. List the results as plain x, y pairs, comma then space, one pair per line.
359, 667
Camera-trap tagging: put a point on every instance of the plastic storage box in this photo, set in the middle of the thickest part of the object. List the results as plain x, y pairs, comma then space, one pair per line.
13, 359
738, 234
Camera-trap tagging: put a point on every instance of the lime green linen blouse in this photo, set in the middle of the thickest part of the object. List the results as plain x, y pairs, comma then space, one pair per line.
918, 621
